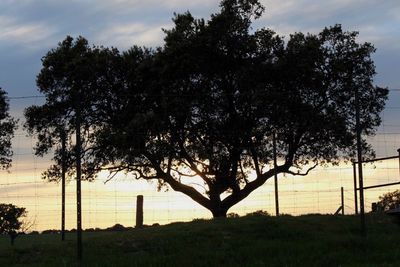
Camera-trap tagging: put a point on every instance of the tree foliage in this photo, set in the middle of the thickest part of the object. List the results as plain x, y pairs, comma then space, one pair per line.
7, 127
389, 201
10, 220
73, 78
198, 114
203, 124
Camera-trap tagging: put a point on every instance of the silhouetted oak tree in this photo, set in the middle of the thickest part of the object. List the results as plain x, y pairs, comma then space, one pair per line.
200, 112
7, 127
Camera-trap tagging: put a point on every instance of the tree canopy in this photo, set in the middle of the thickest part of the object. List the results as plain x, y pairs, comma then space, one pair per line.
390, 200
74, 77
7, 127
10, 220
198, 114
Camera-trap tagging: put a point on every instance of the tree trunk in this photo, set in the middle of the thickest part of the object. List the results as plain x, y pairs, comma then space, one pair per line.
216, 208
219, 212
13, 235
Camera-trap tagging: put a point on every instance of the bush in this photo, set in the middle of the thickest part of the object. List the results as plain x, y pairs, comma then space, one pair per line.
258, 213
389, 201
117, 227
232, 215
51, 231
10, 220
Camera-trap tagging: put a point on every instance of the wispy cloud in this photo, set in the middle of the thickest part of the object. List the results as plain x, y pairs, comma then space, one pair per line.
376, 21
140, 4
125, 35
29, 35
38, 25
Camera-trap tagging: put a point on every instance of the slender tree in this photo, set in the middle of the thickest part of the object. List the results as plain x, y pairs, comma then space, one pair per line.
74, 76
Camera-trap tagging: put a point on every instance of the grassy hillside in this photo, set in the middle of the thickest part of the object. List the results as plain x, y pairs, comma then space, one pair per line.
312, 240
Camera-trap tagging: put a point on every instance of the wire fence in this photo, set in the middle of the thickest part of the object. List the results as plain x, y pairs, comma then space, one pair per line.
106, 204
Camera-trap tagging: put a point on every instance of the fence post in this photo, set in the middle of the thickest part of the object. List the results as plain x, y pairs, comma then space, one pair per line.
63, 171
78, 155
275, 176
398, 150
342, 199
139, 211
359, 162
355, 187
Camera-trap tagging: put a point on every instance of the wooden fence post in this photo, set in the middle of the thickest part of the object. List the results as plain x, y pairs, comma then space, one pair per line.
139, 211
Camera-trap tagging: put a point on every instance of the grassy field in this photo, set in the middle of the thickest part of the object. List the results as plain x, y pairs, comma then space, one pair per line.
311, 240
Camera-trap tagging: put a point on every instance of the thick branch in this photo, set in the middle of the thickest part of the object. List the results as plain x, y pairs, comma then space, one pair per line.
236, 197
302, 174
177, 186
255, 160
193, 165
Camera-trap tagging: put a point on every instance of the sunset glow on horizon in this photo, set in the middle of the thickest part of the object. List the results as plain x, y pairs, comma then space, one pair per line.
107, 204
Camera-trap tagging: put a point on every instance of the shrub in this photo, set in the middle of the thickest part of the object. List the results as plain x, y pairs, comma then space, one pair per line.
10, 220
232, 215
389, 201
258, 213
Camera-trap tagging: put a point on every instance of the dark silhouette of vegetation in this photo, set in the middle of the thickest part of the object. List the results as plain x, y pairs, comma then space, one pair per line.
10, 221
7, 127
198, 114
71, 79
389, 201
310, 240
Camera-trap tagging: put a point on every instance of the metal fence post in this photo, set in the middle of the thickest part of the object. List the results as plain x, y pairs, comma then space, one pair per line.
342, 199
355, 188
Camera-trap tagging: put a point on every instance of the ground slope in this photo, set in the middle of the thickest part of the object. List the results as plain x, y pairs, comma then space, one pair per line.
312, 240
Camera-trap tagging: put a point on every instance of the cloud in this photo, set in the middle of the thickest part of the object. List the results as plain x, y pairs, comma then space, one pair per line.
395, 13
39, 25
377, 21
128, 34
149, 4
29, 35
188, 4
310, 10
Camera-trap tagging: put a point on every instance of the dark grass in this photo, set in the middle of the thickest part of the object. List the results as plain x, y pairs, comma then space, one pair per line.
311, 240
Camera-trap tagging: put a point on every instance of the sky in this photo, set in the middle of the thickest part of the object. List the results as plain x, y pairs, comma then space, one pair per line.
30, 28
